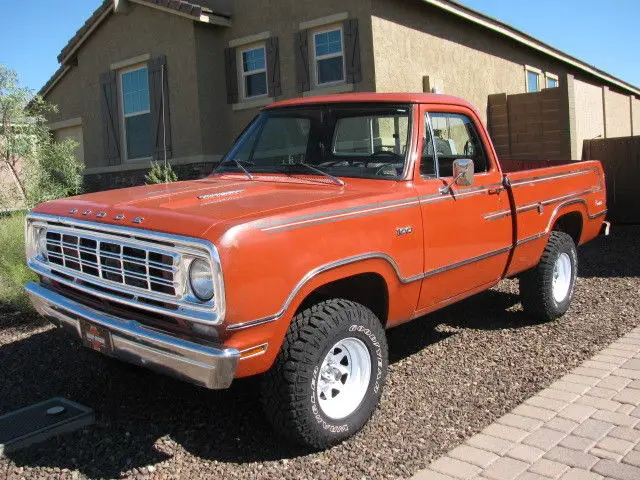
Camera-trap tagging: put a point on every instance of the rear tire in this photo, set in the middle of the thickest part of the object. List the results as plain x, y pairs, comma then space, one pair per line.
546, 290
328, 377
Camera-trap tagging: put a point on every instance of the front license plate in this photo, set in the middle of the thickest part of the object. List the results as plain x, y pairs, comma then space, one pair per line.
95, 337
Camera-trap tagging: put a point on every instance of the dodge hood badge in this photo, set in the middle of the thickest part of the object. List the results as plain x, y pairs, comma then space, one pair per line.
220, 194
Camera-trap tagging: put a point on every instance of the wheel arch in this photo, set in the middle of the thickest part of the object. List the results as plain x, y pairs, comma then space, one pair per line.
367, 288
569, 217
374, 271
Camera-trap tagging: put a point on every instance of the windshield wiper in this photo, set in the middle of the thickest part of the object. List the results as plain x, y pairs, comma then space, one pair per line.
238, 164
317, 170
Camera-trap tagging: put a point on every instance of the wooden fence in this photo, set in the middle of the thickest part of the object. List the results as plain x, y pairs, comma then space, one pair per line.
530, 126
620, 158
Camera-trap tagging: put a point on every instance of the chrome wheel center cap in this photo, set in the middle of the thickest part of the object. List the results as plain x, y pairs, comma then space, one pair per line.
331, 374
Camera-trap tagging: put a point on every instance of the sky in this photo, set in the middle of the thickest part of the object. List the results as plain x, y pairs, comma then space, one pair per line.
601, 33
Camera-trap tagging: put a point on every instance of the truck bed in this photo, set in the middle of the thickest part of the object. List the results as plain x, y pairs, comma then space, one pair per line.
509, 166
539, 193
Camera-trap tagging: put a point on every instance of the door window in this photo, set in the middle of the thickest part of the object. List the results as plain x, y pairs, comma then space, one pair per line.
455, 137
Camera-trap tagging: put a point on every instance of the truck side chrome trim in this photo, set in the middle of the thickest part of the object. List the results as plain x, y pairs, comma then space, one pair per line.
468, 261
325, 217
455, 194
571, 202
367, 256
370, 209
537, 236
318, 271
534, 206
209, 366
599, 214
549, 177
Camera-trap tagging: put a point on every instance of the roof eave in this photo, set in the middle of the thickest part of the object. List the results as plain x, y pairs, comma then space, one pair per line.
53, 81
200, 16
525, 39
64, 59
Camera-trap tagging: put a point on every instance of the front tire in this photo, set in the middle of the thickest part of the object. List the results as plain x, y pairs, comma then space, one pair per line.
328, 378
546, 290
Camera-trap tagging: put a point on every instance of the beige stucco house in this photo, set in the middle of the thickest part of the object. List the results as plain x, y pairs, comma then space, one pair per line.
146, 79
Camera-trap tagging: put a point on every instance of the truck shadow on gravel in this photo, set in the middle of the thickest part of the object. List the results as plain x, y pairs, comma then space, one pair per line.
143, 418
617, 255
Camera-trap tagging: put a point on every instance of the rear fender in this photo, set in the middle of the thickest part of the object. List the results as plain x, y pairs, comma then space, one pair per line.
577, 205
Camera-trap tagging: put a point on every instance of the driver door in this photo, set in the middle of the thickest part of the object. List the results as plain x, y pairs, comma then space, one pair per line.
464, 252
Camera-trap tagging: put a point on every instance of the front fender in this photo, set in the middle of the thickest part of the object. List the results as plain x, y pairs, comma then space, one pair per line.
403, 294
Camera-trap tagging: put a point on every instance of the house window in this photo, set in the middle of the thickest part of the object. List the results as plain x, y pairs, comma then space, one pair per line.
254, 72
552, 80
136, 111
328, 56
532, 79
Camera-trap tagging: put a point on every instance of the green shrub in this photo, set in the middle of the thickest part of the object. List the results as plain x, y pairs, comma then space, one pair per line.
13, 269
160, 173
40, 167
54, 173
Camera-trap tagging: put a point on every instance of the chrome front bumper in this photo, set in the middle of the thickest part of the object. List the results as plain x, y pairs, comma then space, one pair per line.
210, 367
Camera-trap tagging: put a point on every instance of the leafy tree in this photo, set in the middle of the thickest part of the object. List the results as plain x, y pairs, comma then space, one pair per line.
160, 173
41, 168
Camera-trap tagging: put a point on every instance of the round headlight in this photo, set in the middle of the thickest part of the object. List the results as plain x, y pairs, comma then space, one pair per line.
201, 279
41, 242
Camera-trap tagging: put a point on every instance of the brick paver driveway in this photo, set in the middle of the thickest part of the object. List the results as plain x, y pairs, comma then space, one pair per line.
585, 426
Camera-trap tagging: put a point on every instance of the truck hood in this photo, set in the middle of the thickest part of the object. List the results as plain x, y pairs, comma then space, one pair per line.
191, 208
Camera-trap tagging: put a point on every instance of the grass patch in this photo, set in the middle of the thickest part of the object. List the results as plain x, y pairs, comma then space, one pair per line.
13, 268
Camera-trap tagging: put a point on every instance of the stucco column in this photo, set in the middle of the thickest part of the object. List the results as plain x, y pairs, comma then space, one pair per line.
605, 94
573, 150
632, 112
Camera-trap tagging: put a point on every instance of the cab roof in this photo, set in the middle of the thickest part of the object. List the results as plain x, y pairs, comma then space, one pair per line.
432, 98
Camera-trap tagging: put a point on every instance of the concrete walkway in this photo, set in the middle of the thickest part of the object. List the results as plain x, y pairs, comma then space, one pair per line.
585, 426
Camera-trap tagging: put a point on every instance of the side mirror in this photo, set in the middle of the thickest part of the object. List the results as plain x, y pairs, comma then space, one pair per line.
463, 170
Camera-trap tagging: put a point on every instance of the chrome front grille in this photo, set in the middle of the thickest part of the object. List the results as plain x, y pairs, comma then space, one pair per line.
142, 267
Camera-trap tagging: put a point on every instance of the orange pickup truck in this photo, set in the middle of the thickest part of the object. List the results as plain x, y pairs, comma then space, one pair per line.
329, 220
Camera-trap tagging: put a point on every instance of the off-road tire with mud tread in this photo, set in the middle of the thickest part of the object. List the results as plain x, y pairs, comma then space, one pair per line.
536, 285
288, 391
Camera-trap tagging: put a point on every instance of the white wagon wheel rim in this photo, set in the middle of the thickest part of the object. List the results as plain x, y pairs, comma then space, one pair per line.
343, 378
561, 277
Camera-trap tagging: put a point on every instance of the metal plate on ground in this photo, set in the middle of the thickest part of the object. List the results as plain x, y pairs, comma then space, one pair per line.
36, 423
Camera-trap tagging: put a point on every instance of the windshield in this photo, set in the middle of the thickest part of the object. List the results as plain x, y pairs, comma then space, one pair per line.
341, 140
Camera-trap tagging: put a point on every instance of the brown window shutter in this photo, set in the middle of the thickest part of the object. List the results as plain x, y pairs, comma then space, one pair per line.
110, 117
231, 72
160, 111
352, 50
273, 67
302, 61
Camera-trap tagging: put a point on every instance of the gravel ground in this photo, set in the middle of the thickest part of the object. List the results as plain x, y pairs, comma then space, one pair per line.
452, 373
